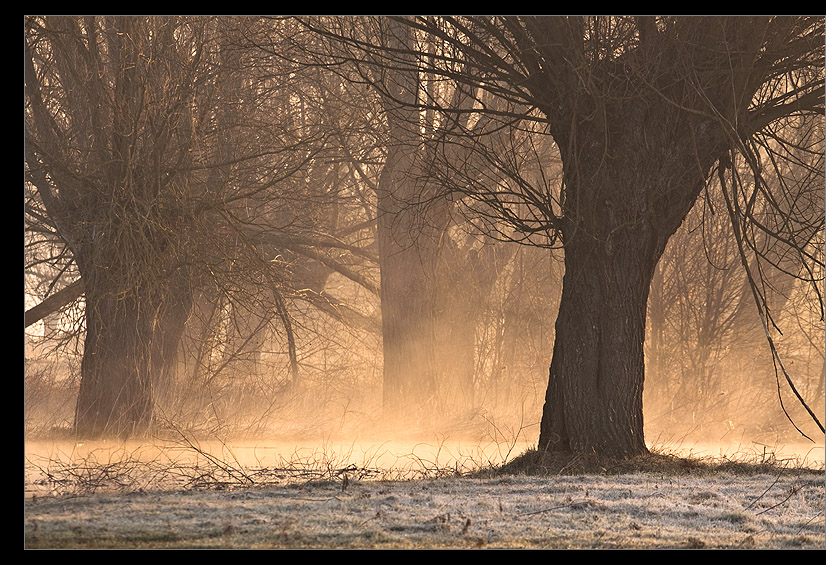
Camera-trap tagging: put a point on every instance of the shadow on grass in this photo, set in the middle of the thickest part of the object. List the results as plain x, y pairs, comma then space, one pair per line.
542, 463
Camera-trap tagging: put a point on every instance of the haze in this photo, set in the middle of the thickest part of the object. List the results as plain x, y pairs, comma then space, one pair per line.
308, 232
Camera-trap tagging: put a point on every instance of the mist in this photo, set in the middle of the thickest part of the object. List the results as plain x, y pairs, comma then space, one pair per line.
412, 244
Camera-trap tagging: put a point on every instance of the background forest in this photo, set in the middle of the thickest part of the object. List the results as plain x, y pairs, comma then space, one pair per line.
229, 205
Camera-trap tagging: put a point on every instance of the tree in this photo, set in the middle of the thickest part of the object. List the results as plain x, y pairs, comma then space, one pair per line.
643, 113
706, 360
151, 171
101, 165
315, 227
417, 253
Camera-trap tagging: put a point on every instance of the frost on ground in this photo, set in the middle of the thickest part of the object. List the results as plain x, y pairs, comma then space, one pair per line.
780, 509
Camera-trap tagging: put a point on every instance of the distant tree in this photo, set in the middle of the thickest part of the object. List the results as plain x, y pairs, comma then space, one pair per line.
105, 141
706, 354
294, 237
432, 280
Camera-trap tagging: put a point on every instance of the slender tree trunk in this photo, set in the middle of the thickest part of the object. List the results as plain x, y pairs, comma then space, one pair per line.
466, 277
407, 265
458, 299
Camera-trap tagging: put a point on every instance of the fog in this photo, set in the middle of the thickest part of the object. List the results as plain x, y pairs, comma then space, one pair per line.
718, 398
723, 398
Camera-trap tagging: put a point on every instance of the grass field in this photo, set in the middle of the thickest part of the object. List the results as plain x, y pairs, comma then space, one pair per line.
324, 500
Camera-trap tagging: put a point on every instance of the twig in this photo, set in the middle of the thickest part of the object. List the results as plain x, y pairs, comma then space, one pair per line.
792, 492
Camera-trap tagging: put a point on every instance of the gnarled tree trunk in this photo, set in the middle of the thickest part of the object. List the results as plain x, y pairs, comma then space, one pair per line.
630, 183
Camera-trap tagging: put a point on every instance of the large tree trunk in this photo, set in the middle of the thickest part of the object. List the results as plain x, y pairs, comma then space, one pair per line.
409, 230
131, 343
630, 184
594, 397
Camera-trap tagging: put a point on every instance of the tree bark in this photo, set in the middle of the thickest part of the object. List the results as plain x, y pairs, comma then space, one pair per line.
594, 397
